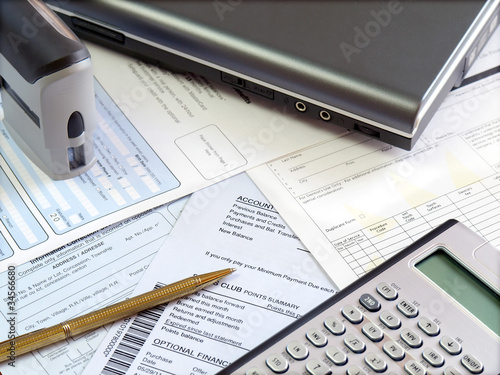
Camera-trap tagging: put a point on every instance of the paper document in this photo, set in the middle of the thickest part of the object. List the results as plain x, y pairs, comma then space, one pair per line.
90, 273
227, 225
355, 201
160, 136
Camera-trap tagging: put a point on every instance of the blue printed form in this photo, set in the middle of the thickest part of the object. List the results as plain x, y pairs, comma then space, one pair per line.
127, 171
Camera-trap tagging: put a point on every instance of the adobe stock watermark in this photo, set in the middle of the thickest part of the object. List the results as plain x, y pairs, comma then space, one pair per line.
364, 36
30, 26
222, 7
11, 314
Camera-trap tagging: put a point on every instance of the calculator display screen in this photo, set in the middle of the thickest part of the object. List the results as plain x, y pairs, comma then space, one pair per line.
463, 286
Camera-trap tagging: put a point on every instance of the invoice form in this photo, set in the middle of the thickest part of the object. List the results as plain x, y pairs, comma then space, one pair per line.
160, 136
355, 201
229, 224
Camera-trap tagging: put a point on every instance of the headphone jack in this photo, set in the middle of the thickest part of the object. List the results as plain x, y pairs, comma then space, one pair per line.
300, 106
325, 115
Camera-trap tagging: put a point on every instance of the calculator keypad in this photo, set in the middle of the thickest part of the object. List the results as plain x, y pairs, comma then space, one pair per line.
392, 327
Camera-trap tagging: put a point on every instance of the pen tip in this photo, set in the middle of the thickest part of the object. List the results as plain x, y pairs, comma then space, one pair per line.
213, 276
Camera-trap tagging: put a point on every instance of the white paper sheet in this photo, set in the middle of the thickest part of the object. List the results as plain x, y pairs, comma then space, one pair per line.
227, 225
93, 272
355, 201
160, 136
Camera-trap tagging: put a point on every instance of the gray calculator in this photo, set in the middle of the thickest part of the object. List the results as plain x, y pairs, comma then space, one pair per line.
434, 308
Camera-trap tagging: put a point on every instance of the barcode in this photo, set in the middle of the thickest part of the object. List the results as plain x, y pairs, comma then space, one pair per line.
133, 340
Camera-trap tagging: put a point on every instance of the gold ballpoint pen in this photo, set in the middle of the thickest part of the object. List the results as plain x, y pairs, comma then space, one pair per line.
9, 349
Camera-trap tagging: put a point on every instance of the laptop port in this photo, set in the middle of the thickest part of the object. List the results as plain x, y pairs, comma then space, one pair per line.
97, 30
325, 115
301, 107
368, 131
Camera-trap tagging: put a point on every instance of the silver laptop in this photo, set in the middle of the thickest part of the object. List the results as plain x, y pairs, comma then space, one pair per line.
379, 67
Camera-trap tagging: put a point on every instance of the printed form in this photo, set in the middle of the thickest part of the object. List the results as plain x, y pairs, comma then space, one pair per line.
160, 136
355, 202
76, 279
230, 224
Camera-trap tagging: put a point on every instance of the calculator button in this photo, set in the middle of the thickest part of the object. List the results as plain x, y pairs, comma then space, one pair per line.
277, 363
386, 291
355, 370
316, 338
337, 356
414, 368
352, 314
407, 308
390, 320
394, 351
355, 344
411, 338
450, 345
334, 326
372, 332
472, 364
428, 326
376, 363
450, 370
255, 371
315, 367
432, 357
369, 302
297, 350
